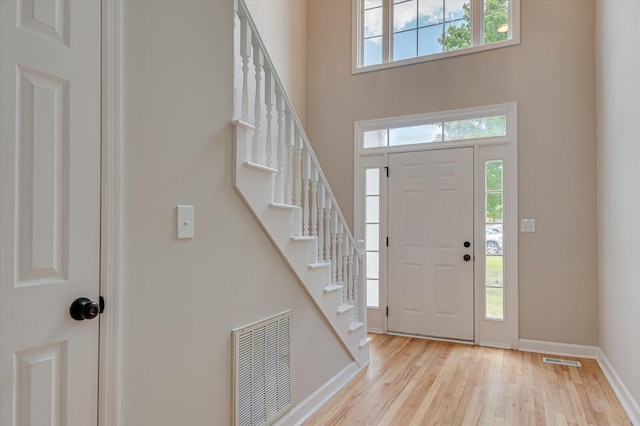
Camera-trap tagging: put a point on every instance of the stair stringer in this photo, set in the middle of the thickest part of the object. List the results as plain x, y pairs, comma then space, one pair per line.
255, 183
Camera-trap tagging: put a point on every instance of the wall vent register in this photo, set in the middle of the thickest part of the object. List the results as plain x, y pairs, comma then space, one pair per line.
262, 371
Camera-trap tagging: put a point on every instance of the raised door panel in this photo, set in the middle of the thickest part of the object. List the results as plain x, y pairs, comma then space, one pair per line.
49, 18
42, 187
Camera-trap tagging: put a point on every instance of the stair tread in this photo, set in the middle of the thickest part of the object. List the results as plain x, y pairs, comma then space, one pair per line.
365, 342
283, 206
260, 167
303, 238
332, 287
355, 326
240, 123
344, 308
319, 265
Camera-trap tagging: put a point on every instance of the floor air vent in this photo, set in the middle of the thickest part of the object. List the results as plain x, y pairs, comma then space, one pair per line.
262, 371
562, 361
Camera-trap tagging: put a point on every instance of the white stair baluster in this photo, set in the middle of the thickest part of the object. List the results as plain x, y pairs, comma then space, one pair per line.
279, 180
269, 101
258, 62
339, 243
351, 283
297, 194
358, 277
334, 232
305, 191
297, 158
245, 54
345, 268
314, 200
327, 227
288, 185
320, 220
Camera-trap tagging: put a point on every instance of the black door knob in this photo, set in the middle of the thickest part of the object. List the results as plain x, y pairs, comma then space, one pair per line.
467, 258
467, 244
83, 308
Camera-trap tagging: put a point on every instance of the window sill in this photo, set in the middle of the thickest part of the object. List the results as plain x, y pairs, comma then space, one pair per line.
434, 57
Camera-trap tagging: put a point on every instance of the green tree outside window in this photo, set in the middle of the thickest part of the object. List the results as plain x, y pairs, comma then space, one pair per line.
496, 15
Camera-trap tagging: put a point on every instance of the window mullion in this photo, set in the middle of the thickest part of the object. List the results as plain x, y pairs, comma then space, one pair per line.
387, 29
477, 22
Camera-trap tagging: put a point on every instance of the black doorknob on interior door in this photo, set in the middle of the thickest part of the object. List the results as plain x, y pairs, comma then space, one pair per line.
466, 257
84, 309
467, 244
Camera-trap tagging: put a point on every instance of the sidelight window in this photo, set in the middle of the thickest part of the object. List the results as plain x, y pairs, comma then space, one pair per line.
494, 246
372, 235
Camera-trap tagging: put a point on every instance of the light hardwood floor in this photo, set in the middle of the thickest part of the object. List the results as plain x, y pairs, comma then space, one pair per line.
425, 382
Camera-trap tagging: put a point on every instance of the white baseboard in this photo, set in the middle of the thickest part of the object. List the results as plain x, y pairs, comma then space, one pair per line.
562, 349
301, 412
375, 330
627, 400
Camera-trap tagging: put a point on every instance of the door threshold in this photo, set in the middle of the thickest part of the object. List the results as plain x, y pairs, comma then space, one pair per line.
439, 339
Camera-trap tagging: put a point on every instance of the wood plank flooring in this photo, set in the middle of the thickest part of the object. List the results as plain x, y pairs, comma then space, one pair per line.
424, 382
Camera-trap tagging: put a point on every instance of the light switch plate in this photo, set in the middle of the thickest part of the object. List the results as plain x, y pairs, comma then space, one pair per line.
185, 221
527, 225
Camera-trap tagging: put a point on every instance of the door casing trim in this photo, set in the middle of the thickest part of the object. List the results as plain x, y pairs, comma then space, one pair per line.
486, 330
111, 213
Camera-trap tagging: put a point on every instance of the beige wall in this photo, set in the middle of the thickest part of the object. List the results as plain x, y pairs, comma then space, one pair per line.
551, 77
182, 298
283, 28
618, 80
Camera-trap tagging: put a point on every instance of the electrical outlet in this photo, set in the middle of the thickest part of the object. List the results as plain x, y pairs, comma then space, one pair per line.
527, 225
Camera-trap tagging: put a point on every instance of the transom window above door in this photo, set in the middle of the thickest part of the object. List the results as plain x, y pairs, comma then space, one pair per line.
390, 33
422, 130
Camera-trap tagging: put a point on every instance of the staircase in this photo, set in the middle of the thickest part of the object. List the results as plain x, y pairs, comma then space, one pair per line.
279, 177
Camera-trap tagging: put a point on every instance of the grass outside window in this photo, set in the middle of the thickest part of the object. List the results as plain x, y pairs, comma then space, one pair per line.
494, 292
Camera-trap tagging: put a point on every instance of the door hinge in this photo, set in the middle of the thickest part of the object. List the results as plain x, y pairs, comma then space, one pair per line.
387, 170
101, 304
387, 311
387, 241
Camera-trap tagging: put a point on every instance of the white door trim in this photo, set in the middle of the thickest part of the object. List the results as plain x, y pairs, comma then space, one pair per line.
488, 332
111, 190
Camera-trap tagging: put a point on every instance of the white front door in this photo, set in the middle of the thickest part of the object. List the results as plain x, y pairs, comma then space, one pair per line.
430, 281
49, 210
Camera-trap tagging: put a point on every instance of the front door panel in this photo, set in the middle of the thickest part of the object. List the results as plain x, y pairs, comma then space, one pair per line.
430, 289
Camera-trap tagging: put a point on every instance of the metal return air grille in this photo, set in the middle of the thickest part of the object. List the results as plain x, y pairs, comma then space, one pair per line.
262, 371
561, 361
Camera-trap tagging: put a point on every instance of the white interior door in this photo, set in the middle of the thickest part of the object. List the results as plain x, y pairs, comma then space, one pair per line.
430, 283
49, 209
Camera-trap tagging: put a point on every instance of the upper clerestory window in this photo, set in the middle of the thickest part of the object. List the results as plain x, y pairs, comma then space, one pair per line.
389, 33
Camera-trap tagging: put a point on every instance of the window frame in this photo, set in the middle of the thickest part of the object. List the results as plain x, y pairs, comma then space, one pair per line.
477, 36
